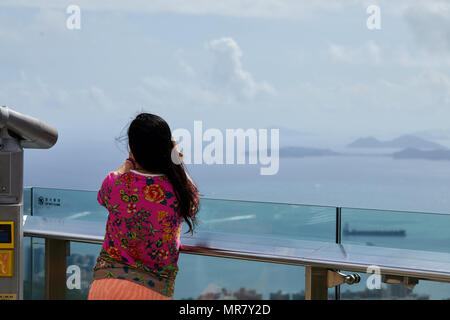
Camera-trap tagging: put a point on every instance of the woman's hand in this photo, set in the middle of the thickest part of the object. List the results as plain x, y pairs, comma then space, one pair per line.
177, 156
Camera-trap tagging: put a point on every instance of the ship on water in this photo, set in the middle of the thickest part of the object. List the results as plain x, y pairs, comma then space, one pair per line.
386, 233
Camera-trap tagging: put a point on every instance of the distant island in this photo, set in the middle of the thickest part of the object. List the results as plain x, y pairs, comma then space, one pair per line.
412, 153
300, 152
408, 147
402, 142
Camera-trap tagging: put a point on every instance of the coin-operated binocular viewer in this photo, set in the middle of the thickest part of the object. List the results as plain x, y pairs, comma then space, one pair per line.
17, 131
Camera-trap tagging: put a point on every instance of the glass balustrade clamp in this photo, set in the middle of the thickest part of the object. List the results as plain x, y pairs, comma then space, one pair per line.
336, 278
319, 280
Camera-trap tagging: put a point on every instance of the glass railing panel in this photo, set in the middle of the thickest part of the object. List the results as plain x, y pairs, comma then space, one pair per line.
27, 201
271, 219
67, 204
27, 253
34, 288
245, 217
80, 266
211, 278
396, 229
27, 268
268, 219
200, 277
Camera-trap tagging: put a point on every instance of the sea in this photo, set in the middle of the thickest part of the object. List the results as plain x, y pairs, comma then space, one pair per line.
375, 193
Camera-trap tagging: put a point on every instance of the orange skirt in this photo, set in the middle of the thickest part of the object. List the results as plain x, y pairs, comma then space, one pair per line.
118, 289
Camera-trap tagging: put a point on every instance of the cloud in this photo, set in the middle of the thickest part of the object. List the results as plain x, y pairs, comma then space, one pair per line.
419, 58
186, 68
24, 91
198, 87
370, 52
100, 99
228, 74
422, 93
221, 80
161, 93
436, 84
430, 25
33, 95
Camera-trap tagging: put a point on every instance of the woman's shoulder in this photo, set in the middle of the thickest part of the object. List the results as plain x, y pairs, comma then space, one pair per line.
111, 177
130, 177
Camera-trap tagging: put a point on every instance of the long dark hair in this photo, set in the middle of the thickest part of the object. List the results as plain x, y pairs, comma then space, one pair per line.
150, 141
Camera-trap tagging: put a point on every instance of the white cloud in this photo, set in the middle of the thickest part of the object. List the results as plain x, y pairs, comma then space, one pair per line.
373, 52
436, 84
228, 74
183, 64
422, 93
100, 98
370, 52
224, 82
32, 95
341, 53
219, 81
231, 85
419, 58
162, 93
430, 25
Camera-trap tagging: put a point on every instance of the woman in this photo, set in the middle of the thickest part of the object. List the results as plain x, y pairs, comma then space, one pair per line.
148, 198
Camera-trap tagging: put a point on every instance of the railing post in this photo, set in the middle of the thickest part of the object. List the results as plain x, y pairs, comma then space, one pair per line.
316, 285
338, 224
337, 289
56, 252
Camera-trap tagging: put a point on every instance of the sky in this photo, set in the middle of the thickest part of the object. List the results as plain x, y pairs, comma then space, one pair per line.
309, 66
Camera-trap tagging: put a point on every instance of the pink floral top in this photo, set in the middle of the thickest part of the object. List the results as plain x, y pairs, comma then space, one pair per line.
143, 229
